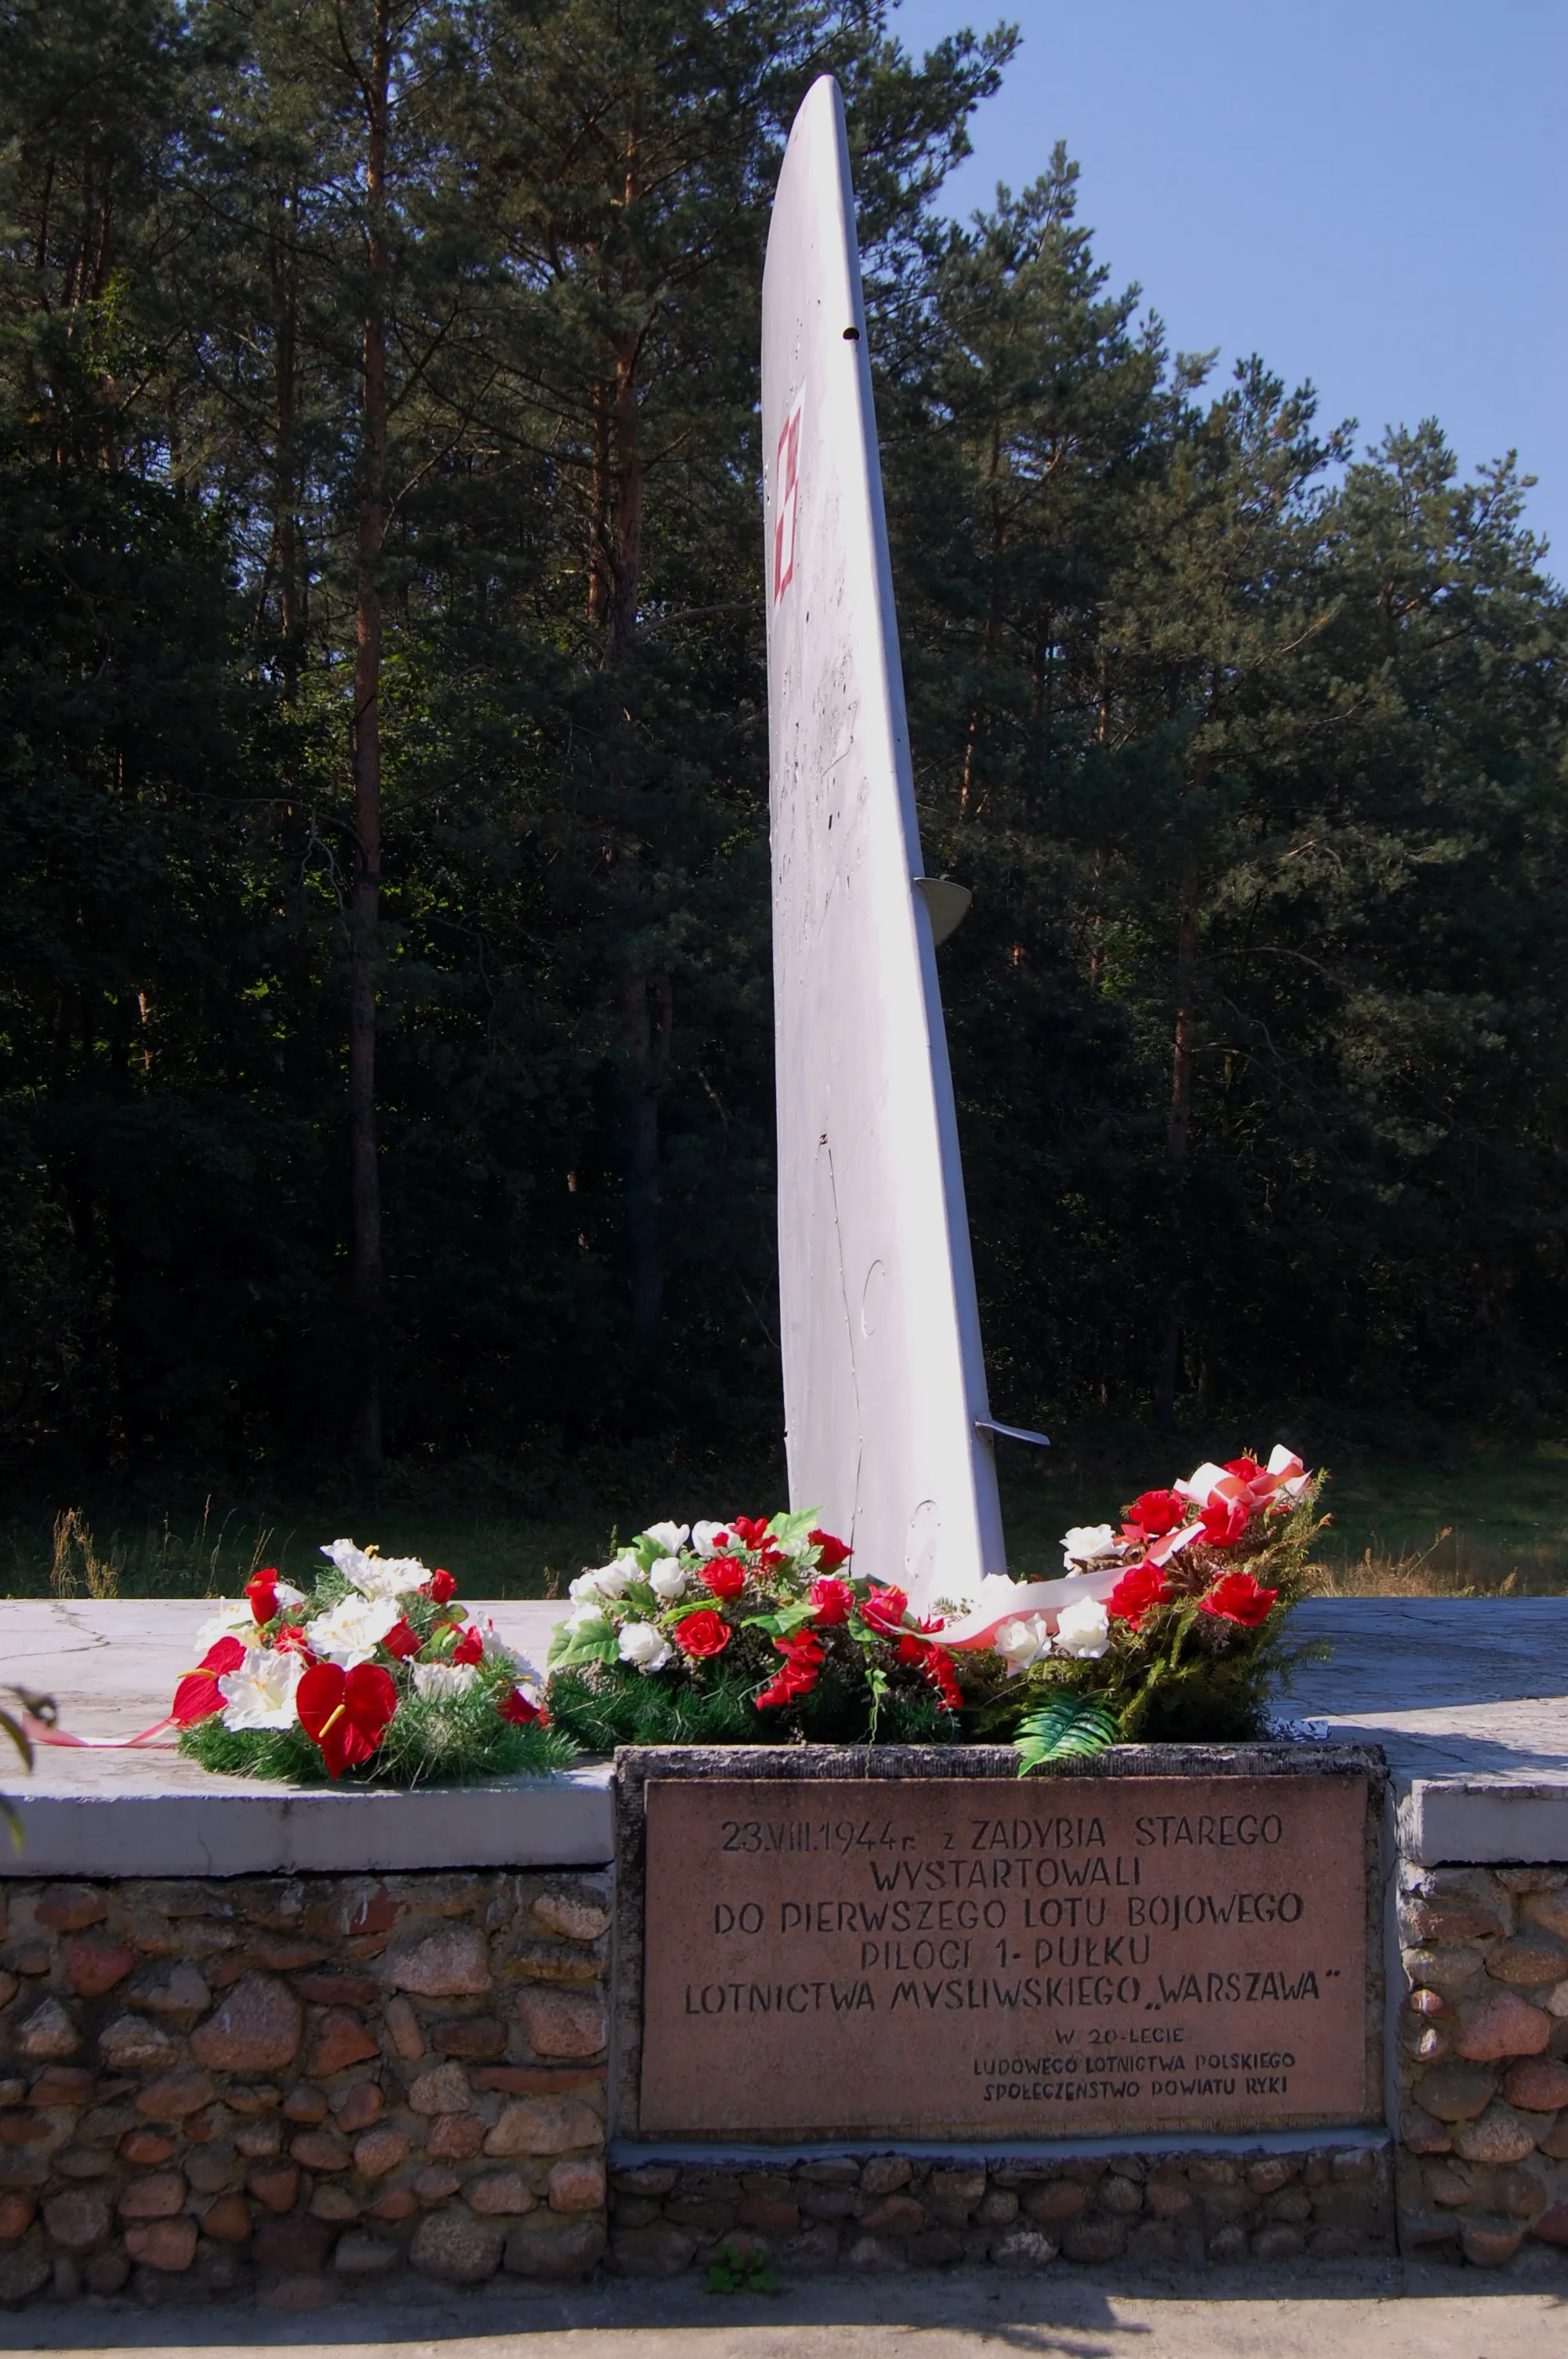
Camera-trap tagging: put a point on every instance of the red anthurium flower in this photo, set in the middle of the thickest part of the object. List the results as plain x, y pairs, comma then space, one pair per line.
834, 1601
1140, 1589
515, 1707
198, 1695
469, 1647
702, 1633
724, 1576
262, 1591
1224, 1521
1155, 1513
403, 1640
346, 1713
803, 1661
440, 1588
884, 1610
1235, 1597
830, 1553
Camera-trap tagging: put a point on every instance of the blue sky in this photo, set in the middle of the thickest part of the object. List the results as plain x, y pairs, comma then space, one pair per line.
1372, 193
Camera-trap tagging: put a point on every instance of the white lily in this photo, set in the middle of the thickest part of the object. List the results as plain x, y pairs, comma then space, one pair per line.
351, 1632
1083, 1630
260, 1695
377, 1576
442, 1680
231, 1618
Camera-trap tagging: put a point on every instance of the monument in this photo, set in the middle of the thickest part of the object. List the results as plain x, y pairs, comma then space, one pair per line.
888, 1427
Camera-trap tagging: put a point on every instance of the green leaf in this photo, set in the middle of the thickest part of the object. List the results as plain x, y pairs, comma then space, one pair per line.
787, 1619
790, 1531
1070, 1728
590, 1642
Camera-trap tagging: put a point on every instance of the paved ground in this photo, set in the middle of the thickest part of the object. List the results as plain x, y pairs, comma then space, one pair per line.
1359, 2312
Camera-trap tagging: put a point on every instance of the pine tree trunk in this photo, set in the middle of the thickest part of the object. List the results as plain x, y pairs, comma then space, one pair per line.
364, 1177
1178, 1129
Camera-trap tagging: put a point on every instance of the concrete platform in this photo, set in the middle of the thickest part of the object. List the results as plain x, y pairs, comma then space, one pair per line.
111, 1668
1467, 1696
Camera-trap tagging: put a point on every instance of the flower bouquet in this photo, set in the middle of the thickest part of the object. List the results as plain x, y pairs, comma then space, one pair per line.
746, 1633
1168, 1626
1181, 1631
379, 1676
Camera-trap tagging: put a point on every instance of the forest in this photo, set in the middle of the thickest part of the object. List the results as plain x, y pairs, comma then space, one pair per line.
385, 1038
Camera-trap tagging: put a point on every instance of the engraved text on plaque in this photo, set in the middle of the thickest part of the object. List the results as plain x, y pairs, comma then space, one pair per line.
981, 1957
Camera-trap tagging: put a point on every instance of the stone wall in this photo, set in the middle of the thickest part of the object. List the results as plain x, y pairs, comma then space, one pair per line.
1483, 2059
297, 2082
889, 2211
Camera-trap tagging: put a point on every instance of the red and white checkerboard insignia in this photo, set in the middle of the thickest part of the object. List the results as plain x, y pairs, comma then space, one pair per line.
786, 486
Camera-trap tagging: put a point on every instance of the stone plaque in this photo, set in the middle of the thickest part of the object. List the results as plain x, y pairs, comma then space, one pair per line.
981, 1958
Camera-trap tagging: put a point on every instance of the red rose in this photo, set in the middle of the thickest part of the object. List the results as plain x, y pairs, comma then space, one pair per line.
262, 1591
830, 1553
515, 1707
1140, 1589
702, 1633
884, 1610
469, 1647
441, 1588
1155, 1513
750, 1530
1246, 1469
724, 1576
834, 1601
345, 1712
1224, 1521
403, 1641
198, 1696
1235, 1597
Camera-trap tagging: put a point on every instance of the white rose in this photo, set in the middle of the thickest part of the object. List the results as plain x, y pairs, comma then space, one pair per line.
607, 1580
644, 1645
444, 1679
351, 1632
1022, 1642
666, 1580
260, 1695
1083, 1542
709, 1540
1083, 1630
668, 1536
231, 1618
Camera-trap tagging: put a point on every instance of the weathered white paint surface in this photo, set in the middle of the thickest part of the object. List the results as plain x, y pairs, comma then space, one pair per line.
882, 1367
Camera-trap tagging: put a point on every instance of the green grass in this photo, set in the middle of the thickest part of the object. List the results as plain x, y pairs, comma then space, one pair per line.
1465, 1516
